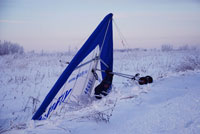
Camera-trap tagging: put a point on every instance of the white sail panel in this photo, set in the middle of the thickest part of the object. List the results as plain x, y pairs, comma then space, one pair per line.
79, 87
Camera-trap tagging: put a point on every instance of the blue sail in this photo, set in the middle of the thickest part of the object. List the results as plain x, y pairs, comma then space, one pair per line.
102, 36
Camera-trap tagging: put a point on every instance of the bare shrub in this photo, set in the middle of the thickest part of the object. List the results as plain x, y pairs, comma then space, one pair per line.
188, 47
166, 47
190, 63
184, 47
7, 47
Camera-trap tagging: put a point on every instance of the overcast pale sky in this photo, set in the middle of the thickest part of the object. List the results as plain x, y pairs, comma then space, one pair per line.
57, 24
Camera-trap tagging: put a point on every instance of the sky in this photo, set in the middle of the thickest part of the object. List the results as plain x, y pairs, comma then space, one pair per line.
60, 25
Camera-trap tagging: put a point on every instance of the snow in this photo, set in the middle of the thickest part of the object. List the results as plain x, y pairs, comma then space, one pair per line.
167, 106
170, 107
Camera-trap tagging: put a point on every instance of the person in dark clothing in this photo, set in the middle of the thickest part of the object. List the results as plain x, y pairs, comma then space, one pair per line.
105, 86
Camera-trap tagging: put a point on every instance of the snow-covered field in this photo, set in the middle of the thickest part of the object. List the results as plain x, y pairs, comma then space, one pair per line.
170, 105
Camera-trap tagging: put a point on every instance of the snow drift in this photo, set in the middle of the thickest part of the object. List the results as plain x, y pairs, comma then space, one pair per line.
170, 105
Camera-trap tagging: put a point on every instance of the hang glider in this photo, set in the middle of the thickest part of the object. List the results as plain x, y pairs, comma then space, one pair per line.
91, 67
76, 83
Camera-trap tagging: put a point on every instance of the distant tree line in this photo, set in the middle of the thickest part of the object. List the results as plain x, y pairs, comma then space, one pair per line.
7, 47
169, 47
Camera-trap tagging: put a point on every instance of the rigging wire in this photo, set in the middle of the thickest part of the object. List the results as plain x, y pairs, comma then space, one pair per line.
128, 76
123, 42
121, 36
